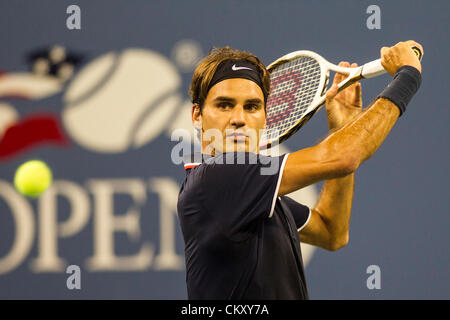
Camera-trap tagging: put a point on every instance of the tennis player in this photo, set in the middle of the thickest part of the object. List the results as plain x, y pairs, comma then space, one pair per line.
242, 233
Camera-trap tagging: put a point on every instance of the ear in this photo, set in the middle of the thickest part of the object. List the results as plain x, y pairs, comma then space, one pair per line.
196, 116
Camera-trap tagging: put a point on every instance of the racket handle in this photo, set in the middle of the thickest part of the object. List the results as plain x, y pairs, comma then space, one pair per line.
374, 68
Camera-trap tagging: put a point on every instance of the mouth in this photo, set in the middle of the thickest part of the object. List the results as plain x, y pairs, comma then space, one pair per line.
237, 137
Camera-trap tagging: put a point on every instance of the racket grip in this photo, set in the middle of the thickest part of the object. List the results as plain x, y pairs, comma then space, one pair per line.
374, 68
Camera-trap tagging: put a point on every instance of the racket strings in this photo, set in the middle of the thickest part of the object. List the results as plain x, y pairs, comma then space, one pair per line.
294, 85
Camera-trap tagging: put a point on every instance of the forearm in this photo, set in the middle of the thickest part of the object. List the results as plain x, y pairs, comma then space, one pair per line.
334, 207
358, 140
342, 152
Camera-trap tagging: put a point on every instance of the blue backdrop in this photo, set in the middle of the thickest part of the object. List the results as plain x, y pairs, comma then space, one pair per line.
123, 90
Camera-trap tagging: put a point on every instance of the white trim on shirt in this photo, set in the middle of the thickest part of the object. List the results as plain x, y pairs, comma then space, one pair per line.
278, 185
307, 220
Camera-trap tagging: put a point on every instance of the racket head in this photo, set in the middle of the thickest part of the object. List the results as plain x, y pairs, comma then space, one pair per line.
298, 84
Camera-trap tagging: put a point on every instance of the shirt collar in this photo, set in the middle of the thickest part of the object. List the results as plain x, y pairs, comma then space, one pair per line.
195, 159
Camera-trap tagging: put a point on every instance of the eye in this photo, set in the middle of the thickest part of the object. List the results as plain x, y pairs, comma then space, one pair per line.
252, 107
223, 105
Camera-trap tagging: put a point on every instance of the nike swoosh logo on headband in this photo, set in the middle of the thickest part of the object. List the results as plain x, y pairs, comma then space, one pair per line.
234, 68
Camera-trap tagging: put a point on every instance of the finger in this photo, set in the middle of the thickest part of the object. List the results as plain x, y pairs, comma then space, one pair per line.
344, 64
331, 93
338, 77
384, 53
357, 97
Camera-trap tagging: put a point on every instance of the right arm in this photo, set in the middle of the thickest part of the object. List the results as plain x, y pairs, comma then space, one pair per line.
345, 150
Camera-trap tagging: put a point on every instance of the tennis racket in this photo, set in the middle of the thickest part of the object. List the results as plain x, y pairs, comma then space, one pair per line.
299, 82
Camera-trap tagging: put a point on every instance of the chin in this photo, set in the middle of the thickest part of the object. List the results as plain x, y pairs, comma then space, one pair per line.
240, 146
244, 147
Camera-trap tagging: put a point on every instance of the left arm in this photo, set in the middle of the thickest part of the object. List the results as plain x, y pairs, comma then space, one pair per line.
328, 226
330, 219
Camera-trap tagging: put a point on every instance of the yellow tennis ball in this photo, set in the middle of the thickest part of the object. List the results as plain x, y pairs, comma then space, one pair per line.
32, 178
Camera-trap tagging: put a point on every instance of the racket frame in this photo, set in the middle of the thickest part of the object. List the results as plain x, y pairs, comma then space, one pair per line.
368, 70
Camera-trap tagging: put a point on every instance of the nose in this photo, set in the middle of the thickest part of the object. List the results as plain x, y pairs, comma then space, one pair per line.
237, 119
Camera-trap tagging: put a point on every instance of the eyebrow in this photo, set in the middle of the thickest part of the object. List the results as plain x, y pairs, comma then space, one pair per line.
232, 100
256, 101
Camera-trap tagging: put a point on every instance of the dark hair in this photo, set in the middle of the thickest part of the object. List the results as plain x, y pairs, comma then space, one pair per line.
206, 68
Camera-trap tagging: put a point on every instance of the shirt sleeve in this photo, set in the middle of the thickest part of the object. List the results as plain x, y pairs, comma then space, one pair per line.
299, 212
236, 195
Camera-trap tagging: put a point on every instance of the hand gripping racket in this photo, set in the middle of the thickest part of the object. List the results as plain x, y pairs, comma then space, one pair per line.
299, 82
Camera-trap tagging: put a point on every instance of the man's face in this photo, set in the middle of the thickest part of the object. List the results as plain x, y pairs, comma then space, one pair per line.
233, 117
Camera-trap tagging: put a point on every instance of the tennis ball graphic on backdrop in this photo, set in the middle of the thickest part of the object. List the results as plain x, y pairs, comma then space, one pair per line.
121, 100
32, 178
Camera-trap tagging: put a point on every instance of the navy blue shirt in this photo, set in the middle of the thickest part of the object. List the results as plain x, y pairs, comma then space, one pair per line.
241, 239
